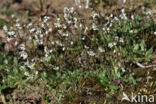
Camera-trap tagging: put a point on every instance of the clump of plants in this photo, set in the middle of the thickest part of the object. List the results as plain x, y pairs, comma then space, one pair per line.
55, 54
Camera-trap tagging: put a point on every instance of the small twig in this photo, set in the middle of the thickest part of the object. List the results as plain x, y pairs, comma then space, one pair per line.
143, 66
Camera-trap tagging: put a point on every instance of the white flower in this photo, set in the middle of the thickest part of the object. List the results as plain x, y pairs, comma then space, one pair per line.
132, 17
155, 33
26, 73
87, 4
42, 25
94, 26
86, 29
63, 49
83, 38
95, 15
36, 72
121, 40
41, 42
123, 11
32, 30
91, 53
111, 15
101, 50
5, 28
116, 18
30, 24
110, 45
124, 1
46, 32
51, 51
41, 35
80, 25
22, 47
149, 13
58, 19
17, 20
17, 25
114, 51
50, 29
8, 39
71, 42
131, 31
12, 16
57, 25
11, 33
72, 10
23, 55
46, 55
56, 68
114, 43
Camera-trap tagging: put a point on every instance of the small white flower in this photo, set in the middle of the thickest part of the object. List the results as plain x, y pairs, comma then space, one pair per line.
72, 10
132, 17
50, 29
116, 18
95, 15
24, 55
17, 20
149, 13
42, 25
124, 1
121, 40
52, 42
110, 45
30, 24
41, 42
91, 53
17, 25
94, 27
80, 25
36, 72
71, 42
51, 51
30, 38
8, 39
11, 33
111, 15
22, 47
46, 55
12, 16
114, 51
131, 31
123, 11
41, 35
87, 4
5, 28
155, 33
63, 49
101, 50
46, 32
114, 43
26, 73
83, 38
56, 68
32, 30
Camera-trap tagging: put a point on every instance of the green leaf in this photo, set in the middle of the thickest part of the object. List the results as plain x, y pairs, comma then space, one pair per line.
136, 48
149, 52
114, 87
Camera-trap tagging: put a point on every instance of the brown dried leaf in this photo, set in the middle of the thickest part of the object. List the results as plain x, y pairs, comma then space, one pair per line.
2, 34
